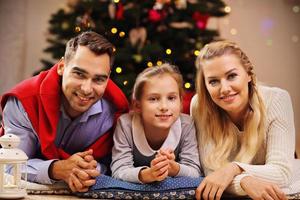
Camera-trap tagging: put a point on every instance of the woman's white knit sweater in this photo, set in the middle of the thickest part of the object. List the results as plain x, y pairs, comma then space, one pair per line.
275, 161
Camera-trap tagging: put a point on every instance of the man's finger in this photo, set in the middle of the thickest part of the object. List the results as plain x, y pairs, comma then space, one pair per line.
85, 153
77, 184
81, 174
92, 172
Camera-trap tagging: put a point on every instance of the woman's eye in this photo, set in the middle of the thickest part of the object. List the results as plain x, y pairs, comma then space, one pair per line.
213, 82
231, 76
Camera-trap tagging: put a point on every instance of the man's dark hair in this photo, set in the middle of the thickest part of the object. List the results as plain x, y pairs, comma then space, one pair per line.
94, 41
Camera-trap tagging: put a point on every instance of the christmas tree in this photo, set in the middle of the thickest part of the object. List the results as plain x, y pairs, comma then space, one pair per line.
145, 33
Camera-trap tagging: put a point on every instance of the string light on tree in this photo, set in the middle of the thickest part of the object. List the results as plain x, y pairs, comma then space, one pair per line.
125, 82
168, 51
187, 85
196, 52
116, 1
118, 70
159, 63
150, 64
114, 30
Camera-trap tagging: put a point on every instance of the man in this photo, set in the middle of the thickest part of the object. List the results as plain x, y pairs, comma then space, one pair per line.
64, 116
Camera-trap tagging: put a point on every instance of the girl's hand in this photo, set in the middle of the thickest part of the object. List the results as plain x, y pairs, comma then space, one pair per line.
158, 170
260, 189
173, 165
213, 185
166, 152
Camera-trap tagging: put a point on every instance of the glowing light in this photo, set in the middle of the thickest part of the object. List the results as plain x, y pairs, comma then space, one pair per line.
269, 42
267, 26
296, 9
122, 34
118, 70
227, 9
233, 31
187, 85
114, 49
125, 82
196, 52
295, 38
150, 64
116, 1
168, 51
114, 30
159, 62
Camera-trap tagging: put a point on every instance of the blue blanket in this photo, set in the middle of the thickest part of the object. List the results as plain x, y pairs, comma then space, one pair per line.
171, 188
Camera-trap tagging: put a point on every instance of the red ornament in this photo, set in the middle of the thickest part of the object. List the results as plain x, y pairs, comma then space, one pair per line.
120, 12
200, 20
186, 101
155, 16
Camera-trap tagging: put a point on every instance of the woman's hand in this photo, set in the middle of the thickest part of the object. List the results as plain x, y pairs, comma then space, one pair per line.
213, 185
260, 189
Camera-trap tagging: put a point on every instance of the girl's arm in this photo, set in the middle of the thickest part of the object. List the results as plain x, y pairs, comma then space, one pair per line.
122, 159
189, 164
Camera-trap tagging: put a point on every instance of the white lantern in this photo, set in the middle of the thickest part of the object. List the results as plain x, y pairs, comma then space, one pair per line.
13, 168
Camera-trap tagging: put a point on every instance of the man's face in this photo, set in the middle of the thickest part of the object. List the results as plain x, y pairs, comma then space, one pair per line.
84, 79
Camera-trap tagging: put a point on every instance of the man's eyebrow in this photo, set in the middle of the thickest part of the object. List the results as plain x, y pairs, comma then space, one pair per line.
85, 72
80, 70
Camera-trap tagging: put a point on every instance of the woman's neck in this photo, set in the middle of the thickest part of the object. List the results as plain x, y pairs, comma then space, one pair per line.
238, 118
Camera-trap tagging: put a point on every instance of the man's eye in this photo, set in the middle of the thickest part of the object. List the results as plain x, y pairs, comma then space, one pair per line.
78, 74
99, 80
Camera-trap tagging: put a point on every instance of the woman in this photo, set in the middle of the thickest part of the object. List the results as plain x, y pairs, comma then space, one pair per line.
246, 132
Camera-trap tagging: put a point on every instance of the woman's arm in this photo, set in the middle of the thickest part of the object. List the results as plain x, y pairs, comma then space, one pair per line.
280, 145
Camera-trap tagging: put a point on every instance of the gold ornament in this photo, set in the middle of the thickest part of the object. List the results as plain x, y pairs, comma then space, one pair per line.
77, 29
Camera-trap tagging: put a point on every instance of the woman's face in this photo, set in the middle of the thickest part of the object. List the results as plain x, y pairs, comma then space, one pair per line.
227, 83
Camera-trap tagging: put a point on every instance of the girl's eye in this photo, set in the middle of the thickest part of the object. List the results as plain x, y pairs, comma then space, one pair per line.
231, 76
152, 98
172, 98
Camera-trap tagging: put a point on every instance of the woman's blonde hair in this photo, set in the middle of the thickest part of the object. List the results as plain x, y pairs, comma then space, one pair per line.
144, 76
215, 128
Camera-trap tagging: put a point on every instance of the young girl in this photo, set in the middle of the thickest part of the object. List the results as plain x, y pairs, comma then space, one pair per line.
246, 131
156, 140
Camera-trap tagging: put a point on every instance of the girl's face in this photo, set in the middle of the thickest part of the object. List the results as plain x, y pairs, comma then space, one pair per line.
160, 102
227, 83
